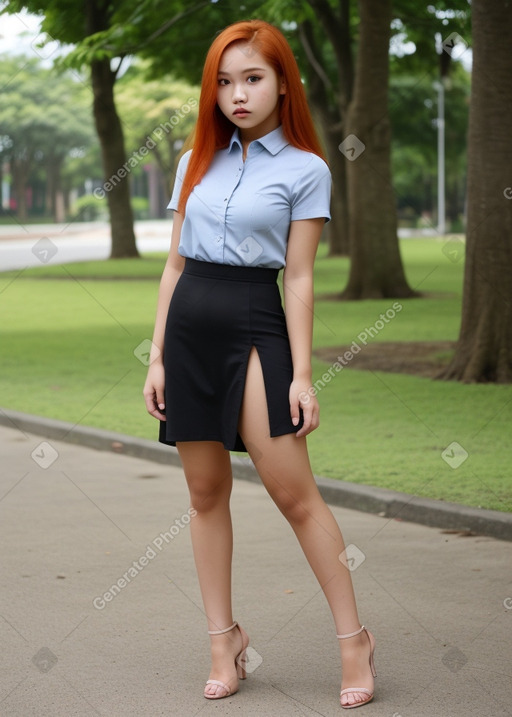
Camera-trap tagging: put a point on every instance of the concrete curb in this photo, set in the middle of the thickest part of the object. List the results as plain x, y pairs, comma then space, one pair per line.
381, 501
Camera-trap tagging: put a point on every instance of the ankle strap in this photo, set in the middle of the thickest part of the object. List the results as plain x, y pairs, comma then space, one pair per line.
221, 632
351, 634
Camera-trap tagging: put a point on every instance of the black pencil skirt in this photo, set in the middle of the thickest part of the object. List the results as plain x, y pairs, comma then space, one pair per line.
216, 315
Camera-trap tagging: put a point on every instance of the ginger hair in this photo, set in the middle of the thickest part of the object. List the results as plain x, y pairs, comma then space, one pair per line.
213, 130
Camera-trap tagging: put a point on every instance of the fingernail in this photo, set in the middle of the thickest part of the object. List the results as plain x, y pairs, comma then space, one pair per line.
295, 420
161, 405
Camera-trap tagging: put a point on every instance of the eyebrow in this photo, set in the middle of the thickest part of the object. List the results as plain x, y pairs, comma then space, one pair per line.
249, 69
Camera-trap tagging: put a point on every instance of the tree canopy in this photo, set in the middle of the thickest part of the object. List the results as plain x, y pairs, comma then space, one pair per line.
44, 119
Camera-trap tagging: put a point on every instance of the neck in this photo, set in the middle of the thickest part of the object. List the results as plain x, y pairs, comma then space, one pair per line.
249, 135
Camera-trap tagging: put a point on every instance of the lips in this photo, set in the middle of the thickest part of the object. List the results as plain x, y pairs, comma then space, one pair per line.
241, 113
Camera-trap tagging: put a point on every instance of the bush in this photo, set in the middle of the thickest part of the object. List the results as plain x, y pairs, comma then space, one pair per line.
140, 207
89, 209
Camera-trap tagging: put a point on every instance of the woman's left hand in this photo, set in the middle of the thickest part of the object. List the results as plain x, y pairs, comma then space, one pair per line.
303, 395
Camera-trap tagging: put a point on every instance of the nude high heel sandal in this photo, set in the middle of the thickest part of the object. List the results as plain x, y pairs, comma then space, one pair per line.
354, 690
240, 663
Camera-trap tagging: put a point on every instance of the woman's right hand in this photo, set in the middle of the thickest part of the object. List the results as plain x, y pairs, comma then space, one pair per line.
154, 390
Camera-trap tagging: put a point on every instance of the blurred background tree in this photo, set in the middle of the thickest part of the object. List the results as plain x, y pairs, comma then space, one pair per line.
175, 37
346, 51
414, 148
44, 122
103, 36
162, 109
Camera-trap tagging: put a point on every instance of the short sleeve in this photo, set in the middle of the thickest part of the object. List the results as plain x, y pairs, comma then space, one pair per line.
178, 181
311, 195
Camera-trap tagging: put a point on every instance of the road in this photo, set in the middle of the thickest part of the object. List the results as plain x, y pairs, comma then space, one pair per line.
32, 245
23, 246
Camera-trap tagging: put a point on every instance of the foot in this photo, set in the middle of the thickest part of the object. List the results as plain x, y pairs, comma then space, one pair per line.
356, 670
224, 649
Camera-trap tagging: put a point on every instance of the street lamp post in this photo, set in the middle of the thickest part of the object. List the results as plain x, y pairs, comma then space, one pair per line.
441, 210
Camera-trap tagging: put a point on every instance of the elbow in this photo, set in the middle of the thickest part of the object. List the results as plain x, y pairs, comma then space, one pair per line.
293, 278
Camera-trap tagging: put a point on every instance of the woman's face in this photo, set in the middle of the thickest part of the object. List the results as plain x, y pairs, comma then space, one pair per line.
248, 91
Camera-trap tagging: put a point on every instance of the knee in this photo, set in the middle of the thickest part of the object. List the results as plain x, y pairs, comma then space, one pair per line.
207, 493
295, 508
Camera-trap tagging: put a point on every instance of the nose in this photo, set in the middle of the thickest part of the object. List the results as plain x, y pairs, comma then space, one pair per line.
239, 93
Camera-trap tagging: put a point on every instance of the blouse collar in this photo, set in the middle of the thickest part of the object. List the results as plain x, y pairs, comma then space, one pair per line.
273, 142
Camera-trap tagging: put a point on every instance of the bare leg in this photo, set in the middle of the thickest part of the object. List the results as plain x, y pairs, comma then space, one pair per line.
207, 469
284, 468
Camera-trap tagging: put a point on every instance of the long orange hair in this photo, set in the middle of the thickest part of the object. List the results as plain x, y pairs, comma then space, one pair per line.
213, 130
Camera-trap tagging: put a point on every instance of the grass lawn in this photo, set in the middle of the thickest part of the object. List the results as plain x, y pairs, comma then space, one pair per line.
69, 351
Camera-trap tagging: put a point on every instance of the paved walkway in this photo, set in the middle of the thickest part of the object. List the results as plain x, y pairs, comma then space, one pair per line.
101, 612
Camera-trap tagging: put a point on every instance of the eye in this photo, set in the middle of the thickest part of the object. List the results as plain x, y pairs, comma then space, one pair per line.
223, 81
252, 79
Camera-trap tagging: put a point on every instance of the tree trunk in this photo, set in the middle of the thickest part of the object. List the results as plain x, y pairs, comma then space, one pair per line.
110, 132
484, 349
330, 131
53, 171
330, 114
20, 173
116, 185
338, 227
376, 269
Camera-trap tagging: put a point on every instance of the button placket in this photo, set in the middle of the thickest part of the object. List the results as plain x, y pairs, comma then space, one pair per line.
221, 240
227, 199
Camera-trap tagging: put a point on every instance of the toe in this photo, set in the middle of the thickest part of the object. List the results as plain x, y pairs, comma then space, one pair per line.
347, 699
354, 698
215, 690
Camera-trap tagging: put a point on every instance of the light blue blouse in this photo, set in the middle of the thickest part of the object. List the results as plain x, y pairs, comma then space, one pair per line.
240, 212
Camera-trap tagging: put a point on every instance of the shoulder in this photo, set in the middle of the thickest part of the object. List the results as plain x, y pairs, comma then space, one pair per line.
183, 163
305, 165
309, 173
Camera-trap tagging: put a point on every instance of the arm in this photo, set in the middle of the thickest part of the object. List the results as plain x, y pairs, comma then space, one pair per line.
298, 300
155, 381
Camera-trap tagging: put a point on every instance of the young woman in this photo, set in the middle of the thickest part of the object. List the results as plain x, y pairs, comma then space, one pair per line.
229, 370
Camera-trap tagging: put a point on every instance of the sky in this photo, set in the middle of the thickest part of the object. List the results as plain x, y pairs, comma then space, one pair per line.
20, 34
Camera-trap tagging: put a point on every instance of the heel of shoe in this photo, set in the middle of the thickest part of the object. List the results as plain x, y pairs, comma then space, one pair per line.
371, 640
372, 664
241, 665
